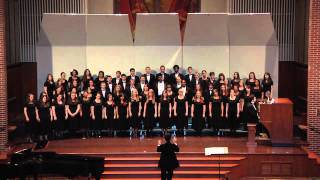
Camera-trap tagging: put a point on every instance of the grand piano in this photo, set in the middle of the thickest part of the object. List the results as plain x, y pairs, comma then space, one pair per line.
27, 163
278, 120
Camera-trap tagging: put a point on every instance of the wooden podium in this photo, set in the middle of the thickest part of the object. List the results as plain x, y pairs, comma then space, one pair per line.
278, 119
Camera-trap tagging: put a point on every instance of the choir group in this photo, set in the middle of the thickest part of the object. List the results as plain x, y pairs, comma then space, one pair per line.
105, 105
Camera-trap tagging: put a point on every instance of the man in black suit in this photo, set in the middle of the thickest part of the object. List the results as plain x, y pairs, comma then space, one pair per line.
123, 82
168, 159
150, 78
190, 79
213, 81
104, 91
163, 73
143, 83
159, 87
133, 76
175, 74
130, 88
110, 86
117, 80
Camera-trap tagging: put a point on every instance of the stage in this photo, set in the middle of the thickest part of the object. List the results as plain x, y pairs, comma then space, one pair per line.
136, 158
236, 145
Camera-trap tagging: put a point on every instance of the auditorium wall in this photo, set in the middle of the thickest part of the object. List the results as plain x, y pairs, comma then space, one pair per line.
104, 42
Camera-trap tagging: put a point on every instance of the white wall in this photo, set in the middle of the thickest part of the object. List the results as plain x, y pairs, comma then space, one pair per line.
215, 42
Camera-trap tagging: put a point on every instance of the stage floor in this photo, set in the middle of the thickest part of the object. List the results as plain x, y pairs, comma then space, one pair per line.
148, 145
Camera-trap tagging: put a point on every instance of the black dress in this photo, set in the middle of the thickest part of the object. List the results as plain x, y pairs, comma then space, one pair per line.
110, 122
232, 113
164, 120
216, 120
73, 122
266, 85
224, 123
135, 119
181, 119
149, 119
246, 101
172, 120
198, 120
32, 127
250, 84
44, 115
96, 124
256, 93
122, 110
51, 87
60, 123
85, 83
86, 109
98, 82
235, 82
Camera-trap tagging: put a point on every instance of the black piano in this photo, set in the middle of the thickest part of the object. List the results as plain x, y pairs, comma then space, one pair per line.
33, 164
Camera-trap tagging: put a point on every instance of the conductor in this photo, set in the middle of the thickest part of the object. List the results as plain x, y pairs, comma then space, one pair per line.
168, 159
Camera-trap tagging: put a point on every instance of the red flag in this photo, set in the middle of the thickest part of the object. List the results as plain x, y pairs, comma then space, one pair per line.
125, 8
181, 7
132, 7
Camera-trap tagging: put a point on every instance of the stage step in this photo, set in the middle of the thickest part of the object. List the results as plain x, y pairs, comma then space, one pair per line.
183, 160
155, 174
193, 166
158, 178
154, 167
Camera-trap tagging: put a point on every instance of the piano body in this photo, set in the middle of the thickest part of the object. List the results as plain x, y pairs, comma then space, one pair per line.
32, 164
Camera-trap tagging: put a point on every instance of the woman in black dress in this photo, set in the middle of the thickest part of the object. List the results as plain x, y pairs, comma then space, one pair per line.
85, 79
117, 92
92, 89
164, 112
74, 77
198, 112
256, 90
236, 79
150, 112
50, 87
216, 109
97, 115
59, 115
73, 113
222, 80
110, 122
135, 106
44, 116
171, 96
251, 81
180, 109
267, 84
75, 87
100, 79
246, 100
204, 80
86, 102
224, 97
123, 113
232, 111
31, 123
64, 83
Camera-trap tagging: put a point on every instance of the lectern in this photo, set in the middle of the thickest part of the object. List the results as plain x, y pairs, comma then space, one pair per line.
278, 120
